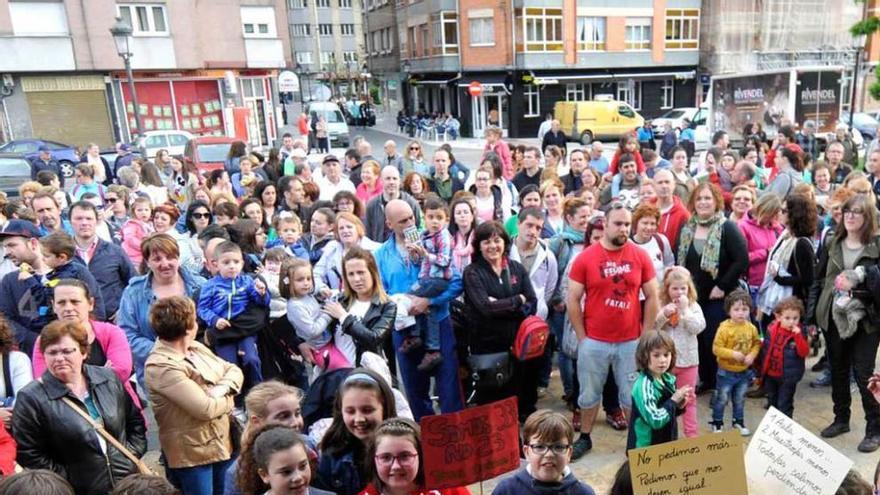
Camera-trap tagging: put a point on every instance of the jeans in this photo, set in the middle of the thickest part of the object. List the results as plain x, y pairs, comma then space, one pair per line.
731, 385
417, 384
427, 325
780, 393
249, 361
594, 358
858, 354
566, 364
714, 312
207, 479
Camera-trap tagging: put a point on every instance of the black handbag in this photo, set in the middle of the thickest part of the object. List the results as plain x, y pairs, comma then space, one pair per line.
490, 371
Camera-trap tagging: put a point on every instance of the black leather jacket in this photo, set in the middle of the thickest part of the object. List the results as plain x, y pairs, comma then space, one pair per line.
369, 333
52, 436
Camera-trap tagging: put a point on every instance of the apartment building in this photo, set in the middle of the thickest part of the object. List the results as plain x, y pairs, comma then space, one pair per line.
528, 54
327, 38
192, 61
383, 49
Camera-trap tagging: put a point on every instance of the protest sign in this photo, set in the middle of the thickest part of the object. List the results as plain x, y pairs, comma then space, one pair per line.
784, 458
709, 464
472, 445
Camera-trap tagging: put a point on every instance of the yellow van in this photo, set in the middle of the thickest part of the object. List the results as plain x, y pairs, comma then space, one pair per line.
597, 119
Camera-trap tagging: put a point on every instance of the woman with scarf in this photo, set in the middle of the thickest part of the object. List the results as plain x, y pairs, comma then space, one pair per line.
714, 250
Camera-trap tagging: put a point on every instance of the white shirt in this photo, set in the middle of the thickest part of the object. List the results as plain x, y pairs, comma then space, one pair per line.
329, 189
344, 341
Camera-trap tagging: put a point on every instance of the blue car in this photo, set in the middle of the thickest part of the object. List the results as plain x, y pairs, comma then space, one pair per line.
64, 154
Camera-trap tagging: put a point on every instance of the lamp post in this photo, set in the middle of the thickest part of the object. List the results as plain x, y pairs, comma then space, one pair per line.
121, 32
858, 47
406, 66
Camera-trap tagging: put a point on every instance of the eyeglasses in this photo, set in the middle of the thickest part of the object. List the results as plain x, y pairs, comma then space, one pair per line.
853, 211
200, 216
62, 352
404, 459
541, 449
111, 200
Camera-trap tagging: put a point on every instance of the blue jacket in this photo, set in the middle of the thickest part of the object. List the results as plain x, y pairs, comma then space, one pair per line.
399, 275
38, 166
339, 473
112, 270
523, 483
645, 134
227, 298
134, 315
297, 249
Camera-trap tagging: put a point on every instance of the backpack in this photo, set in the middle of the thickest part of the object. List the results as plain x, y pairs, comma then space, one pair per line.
531, 338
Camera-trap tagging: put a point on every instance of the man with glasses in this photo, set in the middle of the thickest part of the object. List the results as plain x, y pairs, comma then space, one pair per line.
615, 270
106, 261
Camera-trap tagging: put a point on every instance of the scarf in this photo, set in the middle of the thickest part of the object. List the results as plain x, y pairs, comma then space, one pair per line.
781, 252
712, 249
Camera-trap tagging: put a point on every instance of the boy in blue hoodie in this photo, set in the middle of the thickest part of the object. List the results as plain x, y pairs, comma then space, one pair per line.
233, 306
548, 436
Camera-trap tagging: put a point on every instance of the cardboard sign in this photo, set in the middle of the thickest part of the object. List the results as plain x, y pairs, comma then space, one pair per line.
709, 464
784, 458
472, 445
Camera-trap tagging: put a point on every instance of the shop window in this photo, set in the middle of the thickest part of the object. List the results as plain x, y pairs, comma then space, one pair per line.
533, 101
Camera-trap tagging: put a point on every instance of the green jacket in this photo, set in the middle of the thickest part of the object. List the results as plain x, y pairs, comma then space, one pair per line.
652, 419
829, 267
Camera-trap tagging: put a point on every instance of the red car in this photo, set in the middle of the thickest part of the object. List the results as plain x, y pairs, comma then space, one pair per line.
208, 153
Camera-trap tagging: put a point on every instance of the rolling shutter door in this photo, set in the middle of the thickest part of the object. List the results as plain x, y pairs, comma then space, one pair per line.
70, 110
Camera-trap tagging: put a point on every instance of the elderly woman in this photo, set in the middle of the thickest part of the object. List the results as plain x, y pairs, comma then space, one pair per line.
192, 392
496, 310
108, 347
742, 201
854, 245
714, 250
52, 435
163, 278
349, 232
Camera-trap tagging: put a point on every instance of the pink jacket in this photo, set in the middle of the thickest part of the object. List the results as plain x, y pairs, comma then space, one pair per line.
133, 233
365, 195
115, 345
503, 152
760, 241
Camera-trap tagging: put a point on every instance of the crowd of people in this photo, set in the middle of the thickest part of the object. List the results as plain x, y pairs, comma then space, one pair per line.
263, 312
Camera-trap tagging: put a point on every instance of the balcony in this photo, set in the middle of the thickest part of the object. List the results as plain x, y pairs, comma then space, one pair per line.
36, 53
264, 53
153, 52
435, 63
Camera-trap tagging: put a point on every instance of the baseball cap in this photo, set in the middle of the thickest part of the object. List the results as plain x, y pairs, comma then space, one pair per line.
329, 158
125, 147
44, 147
20, 228
298, 153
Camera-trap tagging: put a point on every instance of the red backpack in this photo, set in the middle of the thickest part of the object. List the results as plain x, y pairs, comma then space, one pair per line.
531, 338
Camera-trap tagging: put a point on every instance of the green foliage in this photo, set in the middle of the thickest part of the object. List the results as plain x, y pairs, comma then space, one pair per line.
375, 95
867, 27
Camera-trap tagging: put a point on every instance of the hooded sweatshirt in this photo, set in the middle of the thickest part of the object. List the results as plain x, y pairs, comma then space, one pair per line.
523, 483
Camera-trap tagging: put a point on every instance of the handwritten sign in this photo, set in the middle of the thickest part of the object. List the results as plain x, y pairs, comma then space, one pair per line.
709, 464
784, 458
472, 445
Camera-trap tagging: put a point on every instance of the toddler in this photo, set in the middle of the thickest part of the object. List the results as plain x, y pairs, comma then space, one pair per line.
137, 228
655, 400
230, 304
434, 250
289, 229
271, 273
682, 319
784, 357
736, 347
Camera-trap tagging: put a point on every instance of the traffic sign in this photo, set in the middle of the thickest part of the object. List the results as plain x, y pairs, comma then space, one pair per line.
475, 88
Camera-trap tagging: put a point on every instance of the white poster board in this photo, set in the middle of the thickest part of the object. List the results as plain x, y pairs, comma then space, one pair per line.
783, 458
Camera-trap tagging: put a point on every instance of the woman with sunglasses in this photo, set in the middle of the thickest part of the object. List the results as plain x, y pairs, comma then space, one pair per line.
414, 159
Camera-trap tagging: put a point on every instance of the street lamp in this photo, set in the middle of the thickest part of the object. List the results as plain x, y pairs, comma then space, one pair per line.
121, 32
858, 47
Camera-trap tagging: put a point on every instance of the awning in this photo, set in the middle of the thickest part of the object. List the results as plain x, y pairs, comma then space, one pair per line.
544, 79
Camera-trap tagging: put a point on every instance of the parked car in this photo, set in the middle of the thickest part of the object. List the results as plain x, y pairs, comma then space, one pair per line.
674, 117
15, 170
64, 154
702, 139
866, 125
337, 128
150, 142
585, 121
207, 153
111, 154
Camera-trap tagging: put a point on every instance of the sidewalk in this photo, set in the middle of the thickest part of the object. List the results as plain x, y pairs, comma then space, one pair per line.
387, 123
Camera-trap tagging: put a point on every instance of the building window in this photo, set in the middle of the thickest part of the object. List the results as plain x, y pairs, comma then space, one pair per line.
667, 89
322, 4
348, 57
325, 29
387, 40
411, 41
424, 37
538, 30
38, 18
631, 92
591, 34
146, 20
533, 100
258, 22
577, 92
346, 29
445, 27
638, 33
302, 30
297, 4
682, 29
375, 42
328, 58
344, 4
304, 58
482, 31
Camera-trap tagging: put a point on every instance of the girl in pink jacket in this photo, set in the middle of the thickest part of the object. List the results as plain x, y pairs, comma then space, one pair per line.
135, 230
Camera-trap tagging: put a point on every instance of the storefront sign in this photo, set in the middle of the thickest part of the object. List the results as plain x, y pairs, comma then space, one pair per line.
288, 82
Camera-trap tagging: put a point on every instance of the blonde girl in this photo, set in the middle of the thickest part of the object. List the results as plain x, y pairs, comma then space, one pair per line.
304, 310
682, 319
137, 228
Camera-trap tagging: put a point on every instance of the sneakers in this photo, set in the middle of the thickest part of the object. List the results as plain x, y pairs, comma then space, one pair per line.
824, 380
616, 420
581, 446
431, 360
409, 344
742, 429
869, 444
836, 428
717, 427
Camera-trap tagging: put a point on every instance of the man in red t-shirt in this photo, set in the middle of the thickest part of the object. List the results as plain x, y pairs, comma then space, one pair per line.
610, 273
